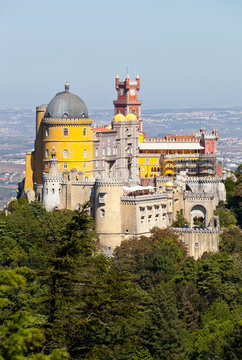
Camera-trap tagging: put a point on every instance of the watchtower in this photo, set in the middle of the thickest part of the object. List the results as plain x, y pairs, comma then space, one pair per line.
127, 97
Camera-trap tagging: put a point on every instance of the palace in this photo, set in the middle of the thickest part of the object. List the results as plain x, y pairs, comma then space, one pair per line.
132, 182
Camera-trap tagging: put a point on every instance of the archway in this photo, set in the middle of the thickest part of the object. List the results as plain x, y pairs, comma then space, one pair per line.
198, 215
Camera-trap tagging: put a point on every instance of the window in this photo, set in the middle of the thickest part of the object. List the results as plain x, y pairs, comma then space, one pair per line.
96, 152
84, 132
157, 210
65, 153
142, 224
96, 163
154, 169
47, 132
84, 153
65, 132
46, 152
78, 206
84, 165
53, 191
103, 151
65, 166
149, 224
149, 211
142, 212
196, 245
109, 151
101, 198
46, 191
46, 165
102, 213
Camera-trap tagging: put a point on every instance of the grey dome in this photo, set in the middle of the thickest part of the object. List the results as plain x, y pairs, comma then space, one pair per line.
66, 105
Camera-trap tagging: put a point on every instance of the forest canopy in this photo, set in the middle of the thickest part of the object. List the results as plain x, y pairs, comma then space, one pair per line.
61, 298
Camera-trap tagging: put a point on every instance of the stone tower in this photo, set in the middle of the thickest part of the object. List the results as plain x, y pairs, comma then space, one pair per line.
52, 191
127, 97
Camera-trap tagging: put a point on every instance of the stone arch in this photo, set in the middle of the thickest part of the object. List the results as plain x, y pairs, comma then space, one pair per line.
200, 212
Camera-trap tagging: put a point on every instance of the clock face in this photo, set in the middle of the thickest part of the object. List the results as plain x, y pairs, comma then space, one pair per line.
122, 92
132, 92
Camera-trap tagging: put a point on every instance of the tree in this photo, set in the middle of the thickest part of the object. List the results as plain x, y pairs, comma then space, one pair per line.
180, 220
107, 321
150, 260
164, 334
231, 240
69, 243
213, 339
20, 339
226, 216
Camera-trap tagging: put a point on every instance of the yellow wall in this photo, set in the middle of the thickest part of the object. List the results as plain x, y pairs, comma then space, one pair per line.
29, 184
146, 163
75, 143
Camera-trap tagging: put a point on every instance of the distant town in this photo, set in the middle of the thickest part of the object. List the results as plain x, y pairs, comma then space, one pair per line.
17, 130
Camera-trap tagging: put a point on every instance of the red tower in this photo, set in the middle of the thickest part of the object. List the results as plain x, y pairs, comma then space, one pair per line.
127, 97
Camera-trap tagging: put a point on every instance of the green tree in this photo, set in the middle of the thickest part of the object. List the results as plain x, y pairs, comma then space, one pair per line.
20, 339
213, 339
226, 216
106, 323
180, 220
69, 243
164, 334
231, 240
218, 278
150, 260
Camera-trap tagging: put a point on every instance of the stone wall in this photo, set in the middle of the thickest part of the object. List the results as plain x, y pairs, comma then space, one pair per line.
199, 241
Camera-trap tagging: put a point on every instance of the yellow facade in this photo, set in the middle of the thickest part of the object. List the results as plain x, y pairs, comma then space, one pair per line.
72, 140
149, 165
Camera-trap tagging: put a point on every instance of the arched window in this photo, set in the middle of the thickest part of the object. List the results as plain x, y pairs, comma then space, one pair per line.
158, 169
154, 169
65, 132
47, 132
102, 213
78, 206
84, 153
46, 152
84, 132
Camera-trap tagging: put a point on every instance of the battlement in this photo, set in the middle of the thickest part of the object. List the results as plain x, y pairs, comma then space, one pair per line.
109, 182
198, 195
67, 121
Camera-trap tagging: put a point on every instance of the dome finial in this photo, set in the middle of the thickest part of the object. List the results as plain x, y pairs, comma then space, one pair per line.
67, 87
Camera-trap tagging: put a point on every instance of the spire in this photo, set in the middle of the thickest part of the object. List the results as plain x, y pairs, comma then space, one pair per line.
67, 87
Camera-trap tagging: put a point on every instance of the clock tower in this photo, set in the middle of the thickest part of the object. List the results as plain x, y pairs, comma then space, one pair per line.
127, 97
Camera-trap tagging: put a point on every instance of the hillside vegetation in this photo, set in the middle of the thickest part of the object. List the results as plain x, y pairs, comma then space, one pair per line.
62, 299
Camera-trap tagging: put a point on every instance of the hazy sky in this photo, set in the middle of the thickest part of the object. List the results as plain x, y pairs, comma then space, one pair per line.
188, 53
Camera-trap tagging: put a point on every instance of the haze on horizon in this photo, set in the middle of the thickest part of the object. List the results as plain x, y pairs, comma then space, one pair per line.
188, 53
